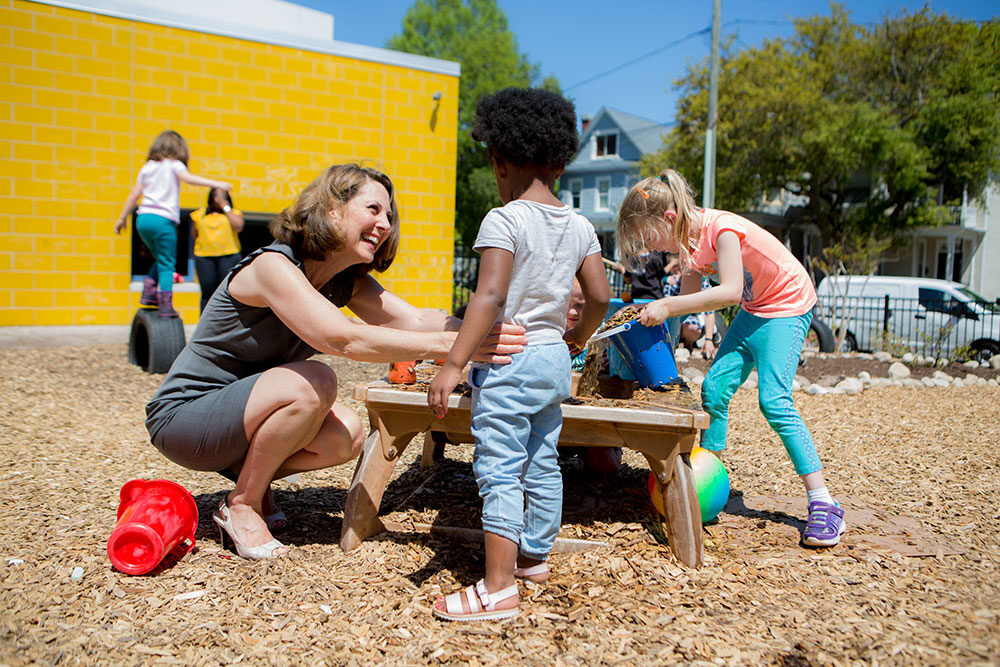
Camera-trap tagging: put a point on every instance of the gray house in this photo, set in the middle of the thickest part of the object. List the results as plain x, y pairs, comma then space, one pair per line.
596, 181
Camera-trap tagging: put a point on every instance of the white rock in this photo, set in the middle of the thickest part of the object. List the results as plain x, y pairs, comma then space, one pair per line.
929, 361
865, 355
984, 364
850, 386
929, 382
898, 371
941, 375
694, 373
941, 382
802, 380
995, 361
882, 355
981, 381
971, 364
682, 355
908, 358
992, 382
882, 382
751, 382
796, 385
971, 379
864, 375
958, 382
909, 382
815, 389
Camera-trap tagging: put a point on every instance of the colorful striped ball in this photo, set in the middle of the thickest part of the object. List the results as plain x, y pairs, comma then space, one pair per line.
710, 479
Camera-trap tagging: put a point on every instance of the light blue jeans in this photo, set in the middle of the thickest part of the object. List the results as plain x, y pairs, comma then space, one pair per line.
516, 420
773, 345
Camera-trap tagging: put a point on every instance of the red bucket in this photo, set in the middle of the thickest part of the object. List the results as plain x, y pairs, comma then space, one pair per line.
154, 516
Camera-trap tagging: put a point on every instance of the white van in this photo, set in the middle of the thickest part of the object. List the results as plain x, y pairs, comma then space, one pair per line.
922, 315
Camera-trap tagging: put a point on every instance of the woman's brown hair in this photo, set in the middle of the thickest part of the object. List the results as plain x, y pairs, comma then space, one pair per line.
169, 145
304, 226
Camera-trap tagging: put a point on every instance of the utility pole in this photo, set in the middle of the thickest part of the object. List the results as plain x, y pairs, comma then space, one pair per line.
708, 187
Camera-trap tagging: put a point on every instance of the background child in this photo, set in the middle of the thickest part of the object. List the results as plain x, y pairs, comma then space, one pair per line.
776, 298
530, 250
688, 329
158, 184
215, 230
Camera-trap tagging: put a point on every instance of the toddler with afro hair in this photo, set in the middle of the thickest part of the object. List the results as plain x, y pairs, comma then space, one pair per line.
527, 126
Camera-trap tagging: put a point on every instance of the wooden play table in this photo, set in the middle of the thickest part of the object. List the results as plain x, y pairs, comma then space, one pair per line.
664, 435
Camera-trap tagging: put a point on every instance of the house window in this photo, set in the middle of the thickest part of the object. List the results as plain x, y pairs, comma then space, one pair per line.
603, 194
575, 188
605, 145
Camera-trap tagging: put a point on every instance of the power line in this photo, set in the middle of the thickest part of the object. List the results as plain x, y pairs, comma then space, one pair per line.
642, 57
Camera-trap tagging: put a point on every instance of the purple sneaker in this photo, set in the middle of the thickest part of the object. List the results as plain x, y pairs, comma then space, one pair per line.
825, 525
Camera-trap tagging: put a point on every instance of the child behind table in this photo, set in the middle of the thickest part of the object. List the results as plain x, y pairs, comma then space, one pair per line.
776, 298
531, 248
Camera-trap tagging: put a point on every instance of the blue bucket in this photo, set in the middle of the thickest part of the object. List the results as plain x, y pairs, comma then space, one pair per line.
647, 353
617, 365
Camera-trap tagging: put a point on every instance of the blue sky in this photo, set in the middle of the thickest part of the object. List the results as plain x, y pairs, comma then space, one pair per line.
588, 45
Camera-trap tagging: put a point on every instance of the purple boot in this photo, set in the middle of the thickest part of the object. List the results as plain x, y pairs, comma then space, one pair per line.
165, 301
148, 297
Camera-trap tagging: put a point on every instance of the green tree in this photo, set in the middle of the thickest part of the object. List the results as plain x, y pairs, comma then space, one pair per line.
475, 34
876, 127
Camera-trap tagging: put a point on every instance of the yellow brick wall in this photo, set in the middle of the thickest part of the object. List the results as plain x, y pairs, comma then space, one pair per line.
83, 95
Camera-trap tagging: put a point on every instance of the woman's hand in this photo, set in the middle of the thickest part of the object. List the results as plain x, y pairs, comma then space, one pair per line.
503, 340
441, 387
655, 313
708, 348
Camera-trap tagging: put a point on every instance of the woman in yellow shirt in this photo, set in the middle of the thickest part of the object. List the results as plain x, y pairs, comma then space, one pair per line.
215, 230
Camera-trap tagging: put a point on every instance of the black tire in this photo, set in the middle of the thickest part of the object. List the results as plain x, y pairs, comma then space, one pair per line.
850, 343
984, 349
820, 336
154, 342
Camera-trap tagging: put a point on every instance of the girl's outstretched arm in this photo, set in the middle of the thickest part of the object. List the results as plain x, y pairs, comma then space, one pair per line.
495, 268
726, 293
186, 176
130, 202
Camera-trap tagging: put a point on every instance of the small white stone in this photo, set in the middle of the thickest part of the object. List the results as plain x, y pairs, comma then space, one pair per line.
971, 364
882, 355
814, 390
898, 371
958, 382
929, 382
850, 386
995, 361
909, 382
879, 383
981, 381
77, 574
941, 382
796, 385
941, 375
908, 358
992, 382
864, 375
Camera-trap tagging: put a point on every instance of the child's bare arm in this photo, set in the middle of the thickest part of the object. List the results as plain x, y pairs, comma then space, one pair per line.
727, 293
495, 267
596, 295
130, 203
194, 179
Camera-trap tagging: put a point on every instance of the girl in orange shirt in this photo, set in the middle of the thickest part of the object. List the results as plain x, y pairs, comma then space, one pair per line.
776, 298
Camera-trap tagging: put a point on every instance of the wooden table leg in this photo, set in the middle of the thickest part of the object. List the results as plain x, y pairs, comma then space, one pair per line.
669, 459
364, 496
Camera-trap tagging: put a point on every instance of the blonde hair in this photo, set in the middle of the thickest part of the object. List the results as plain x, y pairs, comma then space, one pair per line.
641, 217
304, 226
169, 145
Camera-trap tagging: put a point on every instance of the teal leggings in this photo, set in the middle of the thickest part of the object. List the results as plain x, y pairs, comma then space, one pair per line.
773, 345
160, 236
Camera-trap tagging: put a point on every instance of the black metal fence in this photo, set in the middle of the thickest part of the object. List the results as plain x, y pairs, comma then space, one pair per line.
930, 327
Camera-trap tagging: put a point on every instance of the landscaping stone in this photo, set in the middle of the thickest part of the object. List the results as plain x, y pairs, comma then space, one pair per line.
882, 355
898, 371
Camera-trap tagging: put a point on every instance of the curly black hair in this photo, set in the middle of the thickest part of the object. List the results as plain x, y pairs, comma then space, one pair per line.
527, 126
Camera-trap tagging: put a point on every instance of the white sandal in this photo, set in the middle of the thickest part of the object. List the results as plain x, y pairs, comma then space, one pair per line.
536, 573
481, 604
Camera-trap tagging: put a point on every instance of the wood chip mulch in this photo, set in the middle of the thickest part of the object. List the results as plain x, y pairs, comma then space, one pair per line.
917, 467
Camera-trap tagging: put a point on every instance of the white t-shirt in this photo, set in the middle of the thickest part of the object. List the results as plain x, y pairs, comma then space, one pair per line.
549, 244
161, 188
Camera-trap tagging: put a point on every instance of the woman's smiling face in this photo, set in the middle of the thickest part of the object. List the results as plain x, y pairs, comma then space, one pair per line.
364, 221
